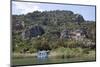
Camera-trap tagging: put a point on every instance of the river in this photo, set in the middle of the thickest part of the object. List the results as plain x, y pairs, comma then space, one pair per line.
35, 61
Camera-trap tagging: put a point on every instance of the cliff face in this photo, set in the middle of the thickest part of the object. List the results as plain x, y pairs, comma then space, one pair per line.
33, 32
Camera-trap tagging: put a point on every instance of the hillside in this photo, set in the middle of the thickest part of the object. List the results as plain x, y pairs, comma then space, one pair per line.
49, 30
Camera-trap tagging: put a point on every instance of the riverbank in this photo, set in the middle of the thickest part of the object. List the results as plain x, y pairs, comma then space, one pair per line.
61, 53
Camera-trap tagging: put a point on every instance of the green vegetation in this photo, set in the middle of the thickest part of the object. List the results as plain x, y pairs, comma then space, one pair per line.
53, 24
72, 53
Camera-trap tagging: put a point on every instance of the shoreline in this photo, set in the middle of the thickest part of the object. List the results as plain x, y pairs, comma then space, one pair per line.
51, 55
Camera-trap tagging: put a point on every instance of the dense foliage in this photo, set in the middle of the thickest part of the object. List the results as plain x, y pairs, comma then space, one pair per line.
45, 31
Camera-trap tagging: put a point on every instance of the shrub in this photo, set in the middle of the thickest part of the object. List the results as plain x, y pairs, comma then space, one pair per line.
73, 44
32, 50
67, 52
56, 44
36, 44
72, 52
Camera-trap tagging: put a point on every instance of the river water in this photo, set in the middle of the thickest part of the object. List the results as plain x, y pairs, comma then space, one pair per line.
35, 61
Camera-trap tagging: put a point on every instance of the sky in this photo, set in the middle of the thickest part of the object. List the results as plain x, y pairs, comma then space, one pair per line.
18, 8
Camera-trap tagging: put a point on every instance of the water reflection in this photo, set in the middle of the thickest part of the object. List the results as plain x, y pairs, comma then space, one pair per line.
42, 60
42, 56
